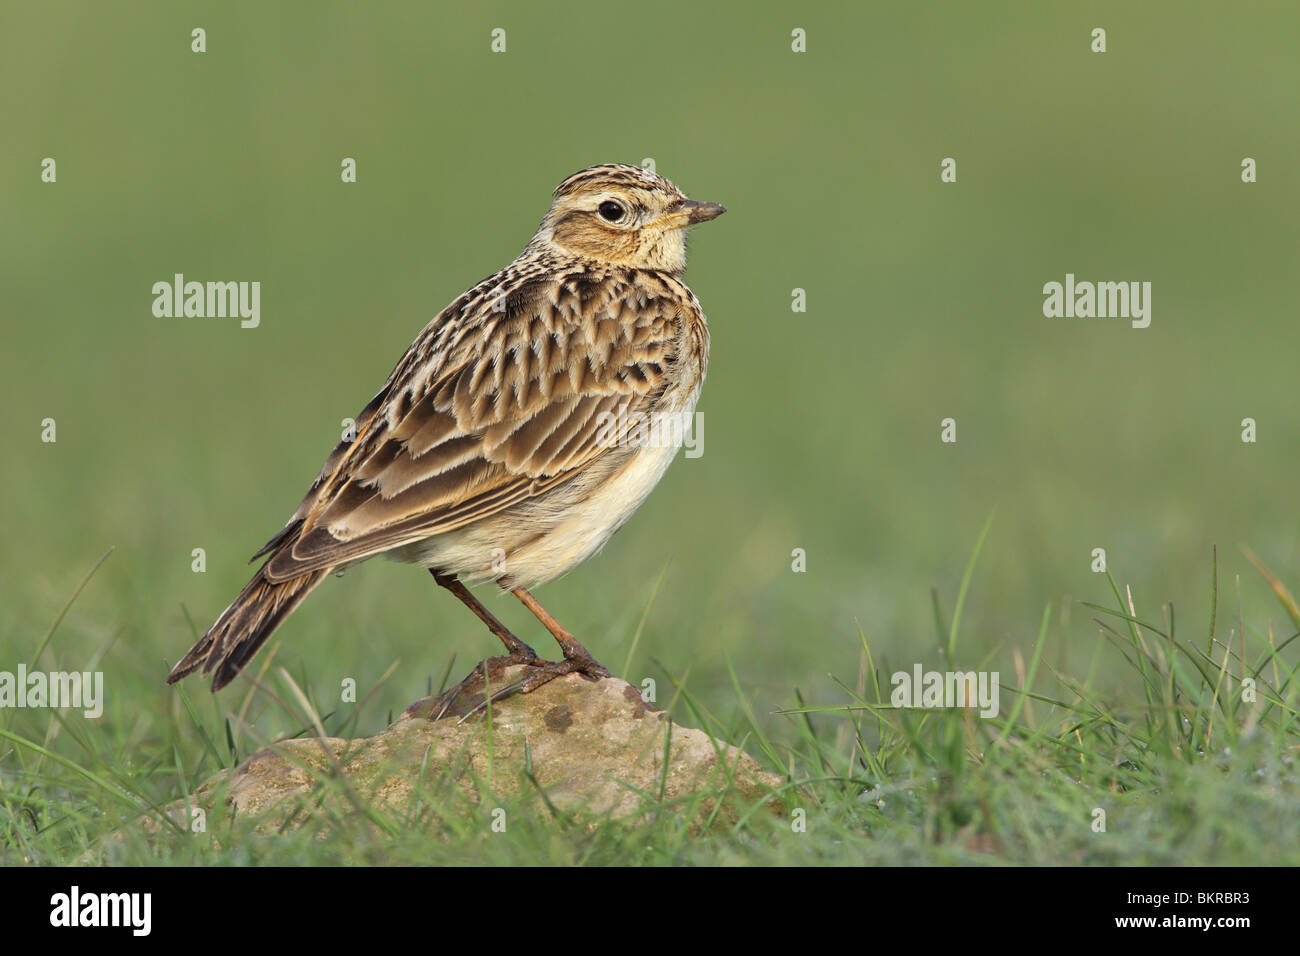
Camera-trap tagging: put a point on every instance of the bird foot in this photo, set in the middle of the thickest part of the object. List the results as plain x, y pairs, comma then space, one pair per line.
471, 696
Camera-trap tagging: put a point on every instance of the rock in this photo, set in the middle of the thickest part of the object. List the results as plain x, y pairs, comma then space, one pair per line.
591, 747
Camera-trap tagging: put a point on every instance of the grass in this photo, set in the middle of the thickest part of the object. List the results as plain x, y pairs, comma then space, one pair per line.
1184, 769
924, 302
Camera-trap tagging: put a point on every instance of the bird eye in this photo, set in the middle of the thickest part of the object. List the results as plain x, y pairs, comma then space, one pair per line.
610, 211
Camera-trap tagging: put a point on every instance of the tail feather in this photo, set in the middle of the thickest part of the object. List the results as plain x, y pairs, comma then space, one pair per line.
244, 627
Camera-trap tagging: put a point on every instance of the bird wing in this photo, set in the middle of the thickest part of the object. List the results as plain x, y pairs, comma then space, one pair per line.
503, 396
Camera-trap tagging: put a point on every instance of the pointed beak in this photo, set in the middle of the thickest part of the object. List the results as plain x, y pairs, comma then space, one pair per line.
701, 211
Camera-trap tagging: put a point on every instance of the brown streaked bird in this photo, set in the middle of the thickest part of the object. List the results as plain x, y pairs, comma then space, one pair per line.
500, 448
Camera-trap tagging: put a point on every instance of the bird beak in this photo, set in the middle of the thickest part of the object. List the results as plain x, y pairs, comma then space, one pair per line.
700, 211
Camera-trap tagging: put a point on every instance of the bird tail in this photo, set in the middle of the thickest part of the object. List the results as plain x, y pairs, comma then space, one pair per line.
245, 626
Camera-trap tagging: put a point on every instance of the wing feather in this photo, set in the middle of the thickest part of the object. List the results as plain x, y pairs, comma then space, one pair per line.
484, 414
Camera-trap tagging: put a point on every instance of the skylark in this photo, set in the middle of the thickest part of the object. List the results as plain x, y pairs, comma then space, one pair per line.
499, 448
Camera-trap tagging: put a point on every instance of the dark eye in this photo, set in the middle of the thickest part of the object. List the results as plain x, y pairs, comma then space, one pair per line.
610, 211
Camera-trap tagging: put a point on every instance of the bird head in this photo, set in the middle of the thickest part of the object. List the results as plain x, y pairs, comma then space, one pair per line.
623, 216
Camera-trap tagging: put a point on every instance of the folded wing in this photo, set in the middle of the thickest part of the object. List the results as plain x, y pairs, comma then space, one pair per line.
491, 406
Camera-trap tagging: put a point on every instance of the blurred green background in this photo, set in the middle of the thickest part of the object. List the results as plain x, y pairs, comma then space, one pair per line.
821, 429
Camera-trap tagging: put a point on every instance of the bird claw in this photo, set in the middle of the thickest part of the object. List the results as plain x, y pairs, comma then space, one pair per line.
469, 698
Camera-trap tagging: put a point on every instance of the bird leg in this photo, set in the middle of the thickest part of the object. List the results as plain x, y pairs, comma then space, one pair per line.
574, 652
577, 660
517, 650
470, 695
467, 697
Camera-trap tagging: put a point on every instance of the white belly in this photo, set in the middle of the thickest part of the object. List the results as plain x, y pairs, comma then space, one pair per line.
546, 537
